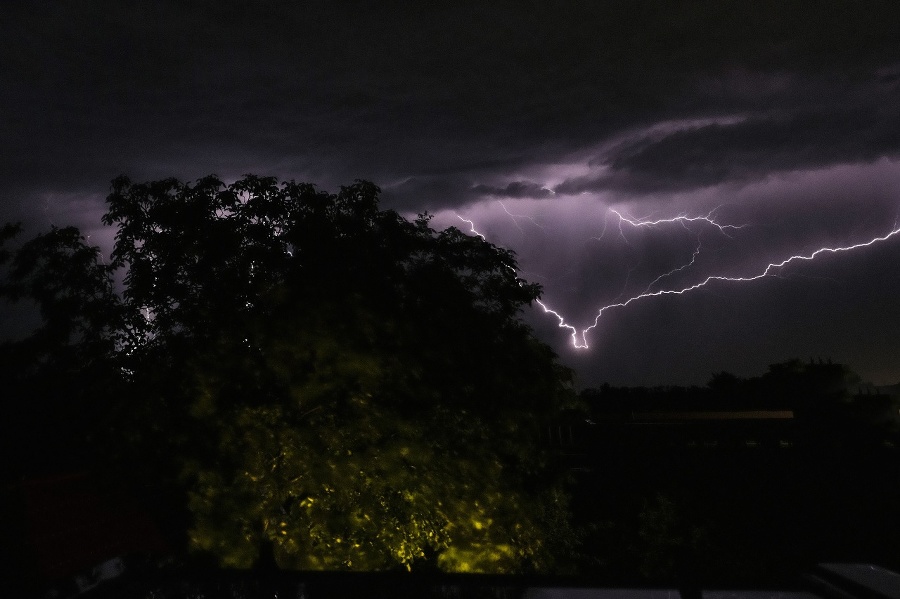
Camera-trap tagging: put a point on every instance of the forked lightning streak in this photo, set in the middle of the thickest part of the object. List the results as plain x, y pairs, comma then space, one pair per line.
579, 337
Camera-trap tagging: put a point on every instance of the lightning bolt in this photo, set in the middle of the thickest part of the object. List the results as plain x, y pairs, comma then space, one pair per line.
679, 268
471, 227
515, 218
579, 337
681, 219
709, 218
603, 232
625, 284
674, 270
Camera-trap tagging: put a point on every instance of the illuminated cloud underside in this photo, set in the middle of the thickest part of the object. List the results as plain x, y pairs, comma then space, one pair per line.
826, 194
579, 337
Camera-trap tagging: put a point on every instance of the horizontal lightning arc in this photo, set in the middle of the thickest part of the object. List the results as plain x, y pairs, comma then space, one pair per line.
579, 339
681, 218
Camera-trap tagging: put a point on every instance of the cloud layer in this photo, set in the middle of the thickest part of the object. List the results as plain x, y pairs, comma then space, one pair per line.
533, 120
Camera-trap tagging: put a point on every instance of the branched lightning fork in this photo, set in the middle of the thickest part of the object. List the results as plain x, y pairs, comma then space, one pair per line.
681, 218
579, 337
515, 218
679, 268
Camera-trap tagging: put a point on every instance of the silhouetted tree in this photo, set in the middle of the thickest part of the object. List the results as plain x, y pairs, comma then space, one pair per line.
349, 388
58, 380
724, 383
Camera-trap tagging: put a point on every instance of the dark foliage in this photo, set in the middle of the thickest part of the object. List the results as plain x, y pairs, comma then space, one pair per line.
289, 369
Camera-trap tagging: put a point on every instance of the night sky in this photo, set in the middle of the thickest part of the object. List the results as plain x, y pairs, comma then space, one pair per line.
555, 128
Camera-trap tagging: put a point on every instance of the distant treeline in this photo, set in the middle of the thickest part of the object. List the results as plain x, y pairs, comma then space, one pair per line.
813, 389
755, 477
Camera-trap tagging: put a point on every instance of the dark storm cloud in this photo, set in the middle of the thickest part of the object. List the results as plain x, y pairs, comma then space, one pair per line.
332, 91
813, 124
450, 108
749, 150
516, 189
427, 193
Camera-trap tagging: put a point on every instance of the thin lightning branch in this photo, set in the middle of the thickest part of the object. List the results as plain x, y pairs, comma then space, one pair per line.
627, 276
515, 218
603, 232
767, 271
680, 268
471, 227
681, 218
579, 338
562, 323
512, 217
621, 232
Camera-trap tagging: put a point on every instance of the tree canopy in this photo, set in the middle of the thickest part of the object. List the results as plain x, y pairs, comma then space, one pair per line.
324, 378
